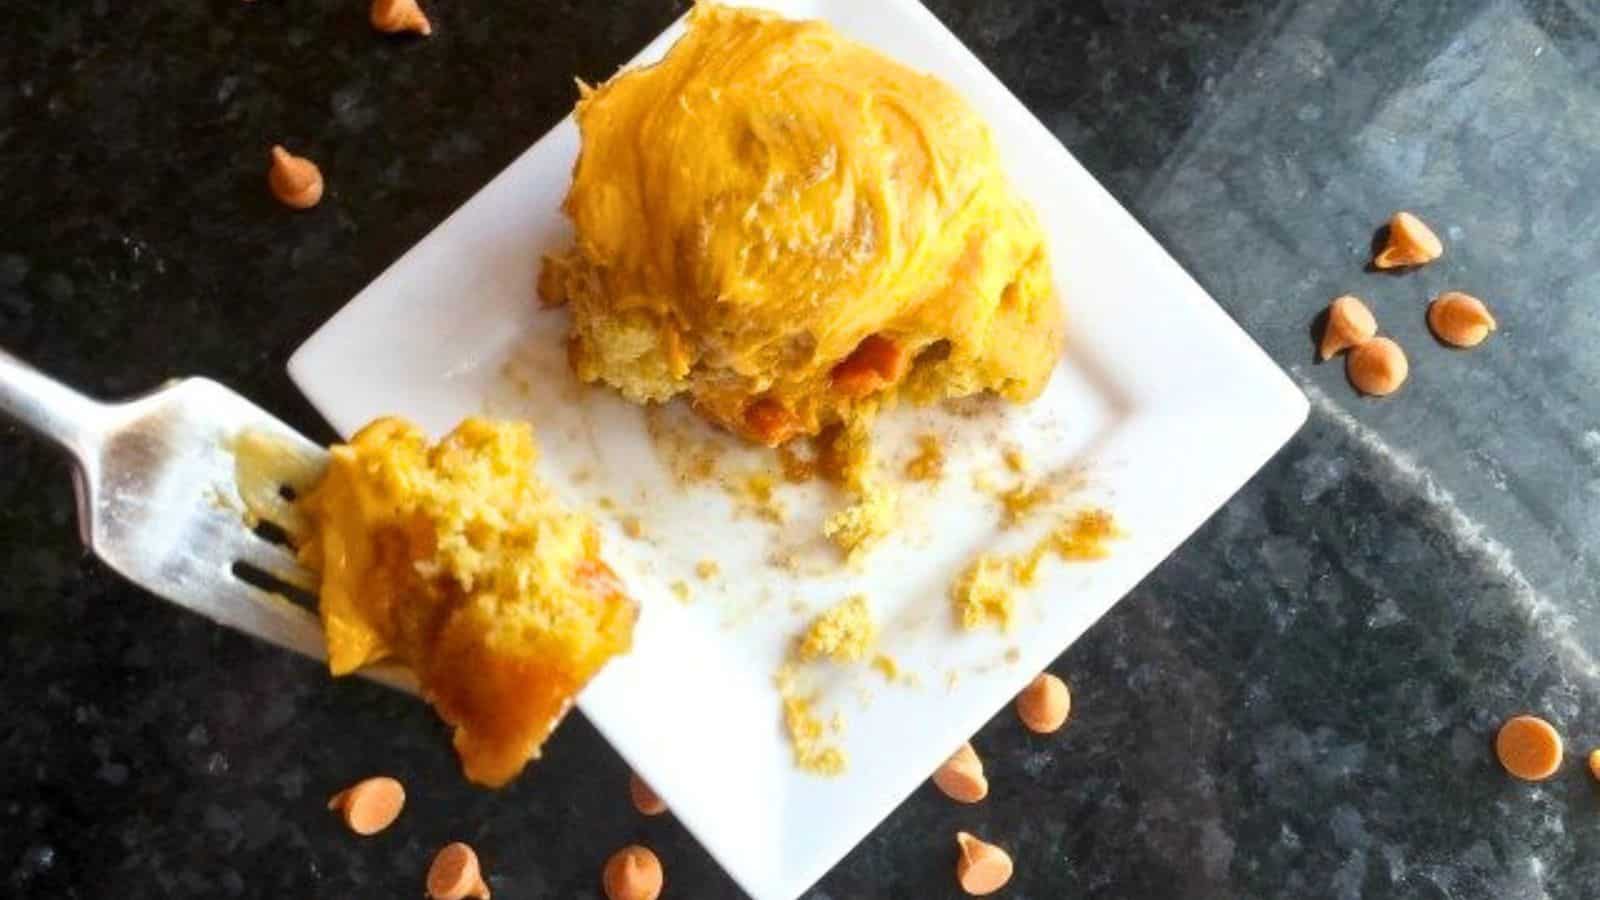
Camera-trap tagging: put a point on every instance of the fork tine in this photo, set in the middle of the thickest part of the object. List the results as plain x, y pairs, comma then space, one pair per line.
273, 559
280, 621
273, 618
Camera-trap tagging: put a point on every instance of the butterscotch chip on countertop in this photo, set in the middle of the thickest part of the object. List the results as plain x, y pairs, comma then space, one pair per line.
1529, 748
370, 805
456, 875
1410, 242
1044, 704
644, 797
961, 776
1460, 320
294, 180
1378, 367
395, 16
632, 873
1349, 324
981, 868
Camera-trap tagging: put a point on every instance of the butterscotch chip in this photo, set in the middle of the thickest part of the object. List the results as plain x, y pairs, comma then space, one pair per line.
294, 180
1410, 243
1529, 748
644, 798
1044, 704
961, 777
1378, 367
395, 16
981, 868
1460, 320
632, 873
455, 874
370, 805
1350, 324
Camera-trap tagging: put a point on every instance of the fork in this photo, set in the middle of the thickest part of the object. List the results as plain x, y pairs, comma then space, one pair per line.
166, 499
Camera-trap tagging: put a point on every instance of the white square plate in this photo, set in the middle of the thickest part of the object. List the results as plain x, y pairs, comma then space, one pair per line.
1161, 407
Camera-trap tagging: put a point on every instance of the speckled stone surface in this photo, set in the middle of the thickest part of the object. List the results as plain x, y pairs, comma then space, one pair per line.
1300, 703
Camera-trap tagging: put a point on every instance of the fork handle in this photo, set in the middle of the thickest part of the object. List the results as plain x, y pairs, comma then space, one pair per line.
48, 407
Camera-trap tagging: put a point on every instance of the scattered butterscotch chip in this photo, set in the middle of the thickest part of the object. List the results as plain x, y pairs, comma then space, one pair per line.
632, 873
1529, 748
1460, 319
370, 805
455, 874
632, 527
707, 569
1350, 324
644, 797
1594, 764
1410, 243
1377, 367
294, 180
1044, 704
395, 16
981, 868
961, 777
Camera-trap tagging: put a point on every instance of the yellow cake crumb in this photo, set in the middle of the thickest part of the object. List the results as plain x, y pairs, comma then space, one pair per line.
1014, 460
1080, 537
843, 633
1019, 502
632, 527
983, 595
707, 569
812, 751
928, 464
808, 737
680, 589
757, 494
985, 592
887, 667
859, 526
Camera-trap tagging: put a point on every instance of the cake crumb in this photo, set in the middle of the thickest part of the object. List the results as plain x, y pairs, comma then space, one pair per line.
843, 633
859, 526
886, 666
797, 469
1014, 460
680, 589
1021, 501
982, 593
757, 494
808, 736
928, 464
632, 527
1080, 537
707, 569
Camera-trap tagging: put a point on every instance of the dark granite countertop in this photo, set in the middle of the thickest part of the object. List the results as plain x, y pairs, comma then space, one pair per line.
1299, 703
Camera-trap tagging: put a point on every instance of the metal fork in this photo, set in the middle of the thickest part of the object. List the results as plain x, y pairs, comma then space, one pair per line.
160, 499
